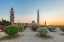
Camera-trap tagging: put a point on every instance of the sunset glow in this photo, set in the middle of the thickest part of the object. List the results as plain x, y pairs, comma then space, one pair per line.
25, 11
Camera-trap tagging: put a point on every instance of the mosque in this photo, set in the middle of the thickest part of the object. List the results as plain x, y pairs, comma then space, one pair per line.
24, 24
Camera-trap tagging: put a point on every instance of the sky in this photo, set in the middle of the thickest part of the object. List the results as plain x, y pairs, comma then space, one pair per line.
25, 11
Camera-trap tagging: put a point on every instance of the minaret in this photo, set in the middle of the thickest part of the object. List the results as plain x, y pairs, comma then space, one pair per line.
12, 17
45, 23
38, 16
2, 19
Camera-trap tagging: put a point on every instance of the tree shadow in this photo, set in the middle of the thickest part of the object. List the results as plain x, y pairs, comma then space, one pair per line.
61, 34
53, 31
46, 37
10, 38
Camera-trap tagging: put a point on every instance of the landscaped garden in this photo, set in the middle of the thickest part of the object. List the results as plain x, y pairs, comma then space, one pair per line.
31, 34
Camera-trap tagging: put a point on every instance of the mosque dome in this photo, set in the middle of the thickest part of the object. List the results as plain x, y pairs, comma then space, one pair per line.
33, 21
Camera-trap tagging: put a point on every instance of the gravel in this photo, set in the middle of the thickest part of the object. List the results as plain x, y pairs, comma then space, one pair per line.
30, 36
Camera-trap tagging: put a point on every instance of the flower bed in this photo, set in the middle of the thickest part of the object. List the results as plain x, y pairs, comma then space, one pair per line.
2, 28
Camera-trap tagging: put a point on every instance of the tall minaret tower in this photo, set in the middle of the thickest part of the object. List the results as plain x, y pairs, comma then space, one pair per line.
12, 17
38, 16
45, 23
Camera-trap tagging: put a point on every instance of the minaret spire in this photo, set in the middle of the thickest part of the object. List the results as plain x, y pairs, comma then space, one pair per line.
38, 16
12, 9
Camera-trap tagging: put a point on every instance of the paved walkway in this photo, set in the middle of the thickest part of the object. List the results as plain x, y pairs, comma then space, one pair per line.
28, 30
30, 36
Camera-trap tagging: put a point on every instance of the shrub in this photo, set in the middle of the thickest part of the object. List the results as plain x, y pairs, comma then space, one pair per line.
34, 28
30, 26
21, 28
25, 27
11, 30
42, 31
52, 28
39, 26
62, 28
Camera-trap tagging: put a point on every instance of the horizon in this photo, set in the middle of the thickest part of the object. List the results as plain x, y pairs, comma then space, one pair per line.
25, 11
